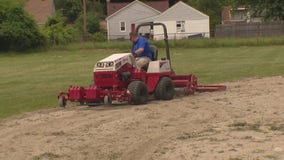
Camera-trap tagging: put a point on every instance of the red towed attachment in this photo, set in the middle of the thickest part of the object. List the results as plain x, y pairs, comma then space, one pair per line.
189, 82
210, 88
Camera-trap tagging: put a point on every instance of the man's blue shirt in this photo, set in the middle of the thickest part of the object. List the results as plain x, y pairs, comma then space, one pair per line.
143, 43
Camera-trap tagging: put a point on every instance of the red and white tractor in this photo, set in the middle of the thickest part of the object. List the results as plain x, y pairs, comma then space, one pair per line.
116, 78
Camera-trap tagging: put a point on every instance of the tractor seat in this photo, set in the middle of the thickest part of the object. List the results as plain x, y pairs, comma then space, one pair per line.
154, 51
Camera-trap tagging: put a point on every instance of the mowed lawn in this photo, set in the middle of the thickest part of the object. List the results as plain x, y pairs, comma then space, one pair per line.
32, 81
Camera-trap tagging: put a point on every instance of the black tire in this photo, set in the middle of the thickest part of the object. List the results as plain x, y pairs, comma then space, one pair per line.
92, 104
62, 101
165, 89
139, 92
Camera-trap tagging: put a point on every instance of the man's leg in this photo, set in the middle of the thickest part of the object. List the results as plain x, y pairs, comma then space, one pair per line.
142, 61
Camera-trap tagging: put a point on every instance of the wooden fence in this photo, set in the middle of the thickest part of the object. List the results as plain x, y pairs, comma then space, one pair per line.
243, 30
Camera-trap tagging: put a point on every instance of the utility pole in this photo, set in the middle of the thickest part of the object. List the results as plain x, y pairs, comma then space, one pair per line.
85, 36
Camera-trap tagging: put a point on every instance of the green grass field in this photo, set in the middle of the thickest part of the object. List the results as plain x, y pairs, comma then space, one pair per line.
33, 80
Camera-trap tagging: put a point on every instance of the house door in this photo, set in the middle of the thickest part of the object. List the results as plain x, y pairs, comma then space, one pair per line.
132, 27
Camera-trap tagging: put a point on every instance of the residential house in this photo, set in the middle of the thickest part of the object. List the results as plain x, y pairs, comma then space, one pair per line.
40, 10
122, 22
237, 15
181, 20
237, 22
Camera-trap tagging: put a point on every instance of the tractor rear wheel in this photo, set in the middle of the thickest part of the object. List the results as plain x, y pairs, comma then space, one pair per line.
165, 89
139, 92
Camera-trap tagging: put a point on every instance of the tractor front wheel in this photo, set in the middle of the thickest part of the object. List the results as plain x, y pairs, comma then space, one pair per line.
165, 89
139, 92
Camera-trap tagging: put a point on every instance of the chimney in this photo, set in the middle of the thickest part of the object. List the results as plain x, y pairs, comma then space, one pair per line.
226, 15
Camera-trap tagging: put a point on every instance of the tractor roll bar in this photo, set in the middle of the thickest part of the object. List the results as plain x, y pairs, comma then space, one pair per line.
165, 35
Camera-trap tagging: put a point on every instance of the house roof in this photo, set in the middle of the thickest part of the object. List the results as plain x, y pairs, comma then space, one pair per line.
113, 7
160, 5
131, 4
40, 10
179, 11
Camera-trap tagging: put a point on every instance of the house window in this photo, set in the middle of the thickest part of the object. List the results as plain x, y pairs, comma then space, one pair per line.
180, 26
239, 15
122, 27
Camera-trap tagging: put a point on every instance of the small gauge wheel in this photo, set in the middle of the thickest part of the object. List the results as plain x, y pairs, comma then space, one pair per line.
107, 100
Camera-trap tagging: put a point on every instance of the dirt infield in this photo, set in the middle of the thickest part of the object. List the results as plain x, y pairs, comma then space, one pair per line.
245, 122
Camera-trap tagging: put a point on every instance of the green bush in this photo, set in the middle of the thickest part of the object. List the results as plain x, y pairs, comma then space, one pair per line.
18, 31
98, 37
59, 34
93, 23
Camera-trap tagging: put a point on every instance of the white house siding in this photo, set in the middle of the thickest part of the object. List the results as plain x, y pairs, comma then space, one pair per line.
199, 27
132, 13
159, 32
192, 28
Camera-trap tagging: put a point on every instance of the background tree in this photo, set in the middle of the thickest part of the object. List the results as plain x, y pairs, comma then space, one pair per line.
72, 13
213, 8
270, 10
18, 31
70, 9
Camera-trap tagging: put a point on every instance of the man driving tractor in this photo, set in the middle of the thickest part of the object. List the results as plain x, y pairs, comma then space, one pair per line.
141, 50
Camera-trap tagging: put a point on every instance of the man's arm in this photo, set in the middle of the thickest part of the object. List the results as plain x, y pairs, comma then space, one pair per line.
138, 51
141, 46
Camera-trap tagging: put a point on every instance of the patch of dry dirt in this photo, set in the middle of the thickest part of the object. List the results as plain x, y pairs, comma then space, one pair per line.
245, 122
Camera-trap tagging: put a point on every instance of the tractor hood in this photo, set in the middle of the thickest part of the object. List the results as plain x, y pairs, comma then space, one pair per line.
114, 62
